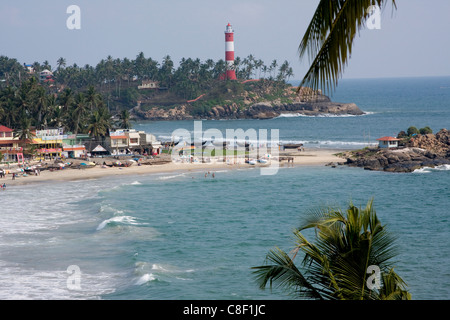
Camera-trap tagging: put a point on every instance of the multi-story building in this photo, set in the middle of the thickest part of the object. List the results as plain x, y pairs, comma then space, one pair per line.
10, 145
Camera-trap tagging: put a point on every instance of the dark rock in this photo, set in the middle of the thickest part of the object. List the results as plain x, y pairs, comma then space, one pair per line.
425, 151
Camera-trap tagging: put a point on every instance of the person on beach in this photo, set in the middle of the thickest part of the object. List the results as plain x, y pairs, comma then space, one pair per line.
14, 176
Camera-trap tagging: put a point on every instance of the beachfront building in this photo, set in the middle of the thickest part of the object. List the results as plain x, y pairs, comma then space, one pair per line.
388, 142
9, 146
48, 143
117, 142
130, 141
150, 144
98, 151
74, 151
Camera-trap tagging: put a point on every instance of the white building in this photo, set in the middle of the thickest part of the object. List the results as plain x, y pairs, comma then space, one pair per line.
388, 142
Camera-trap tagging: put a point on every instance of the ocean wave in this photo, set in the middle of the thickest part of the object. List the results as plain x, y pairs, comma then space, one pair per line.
148, 272
127, 220
327, 115
444, 167
328, 143
21, 283
240, 143
148, 277
171, 177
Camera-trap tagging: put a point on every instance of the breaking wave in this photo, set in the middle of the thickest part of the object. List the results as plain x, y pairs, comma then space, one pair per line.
444, 167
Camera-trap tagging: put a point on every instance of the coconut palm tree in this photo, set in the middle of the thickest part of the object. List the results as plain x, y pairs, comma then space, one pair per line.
66, 98
8, 109
61, 62
100, 123
338, 265
79, 111
40, 105
125, 119
93, 98
328, 40
24, 132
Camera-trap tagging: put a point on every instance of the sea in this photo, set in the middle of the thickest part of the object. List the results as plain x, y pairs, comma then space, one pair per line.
184, 236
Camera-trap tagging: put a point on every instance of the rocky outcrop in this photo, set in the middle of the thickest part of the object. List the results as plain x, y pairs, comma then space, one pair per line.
437, 143
259, 110
263, 101
421, 151
159, 114
267, 110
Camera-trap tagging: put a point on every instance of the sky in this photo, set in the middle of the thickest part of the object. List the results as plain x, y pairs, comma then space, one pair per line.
412, 41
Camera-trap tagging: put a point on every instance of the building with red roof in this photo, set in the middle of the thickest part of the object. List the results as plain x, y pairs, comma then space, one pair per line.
9, 145
388, 142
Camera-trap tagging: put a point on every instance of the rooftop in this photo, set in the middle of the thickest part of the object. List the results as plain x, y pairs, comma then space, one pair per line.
5, 129
388, 139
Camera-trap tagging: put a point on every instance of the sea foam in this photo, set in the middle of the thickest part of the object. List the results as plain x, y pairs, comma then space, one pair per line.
118, 220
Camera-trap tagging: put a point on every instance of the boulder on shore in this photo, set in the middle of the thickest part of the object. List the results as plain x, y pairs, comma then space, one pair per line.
421, 151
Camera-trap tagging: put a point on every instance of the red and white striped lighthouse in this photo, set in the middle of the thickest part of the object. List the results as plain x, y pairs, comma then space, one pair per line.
229, 53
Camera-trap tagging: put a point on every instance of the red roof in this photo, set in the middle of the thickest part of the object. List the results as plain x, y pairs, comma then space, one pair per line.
5, 129
388, 139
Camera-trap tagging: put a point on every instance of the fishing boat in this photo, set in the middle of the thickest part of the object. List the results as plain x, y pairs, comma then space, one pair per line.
263, 161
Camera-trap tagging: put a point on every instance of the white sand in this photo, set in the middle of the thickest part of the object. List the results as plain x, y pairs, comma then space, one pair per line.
305, 158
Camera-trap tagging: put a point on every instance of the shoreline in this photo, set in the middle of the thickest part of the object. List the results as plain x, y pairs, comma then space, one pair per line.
319, 157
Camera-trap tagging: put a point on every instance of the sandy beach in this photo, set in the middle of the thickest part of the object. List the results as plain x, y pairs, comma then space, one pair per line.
305, 158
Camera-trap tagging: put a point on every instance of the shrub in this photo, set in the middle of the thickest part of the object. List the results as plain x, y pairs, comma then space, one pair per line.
425, 130
412, 130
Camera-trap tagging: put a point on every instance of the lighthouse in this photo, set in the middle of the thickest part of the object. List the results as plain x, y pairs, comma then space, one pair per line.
229, 53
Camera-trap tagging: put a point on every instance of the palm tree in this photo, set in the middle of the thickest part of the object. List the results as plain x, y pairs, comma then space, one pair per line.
125, 119
329, 38
80, 109
61, 62
348, 244
100, 123
41, 105
8, 107
46, 65
24, 133
66, 98
93, 98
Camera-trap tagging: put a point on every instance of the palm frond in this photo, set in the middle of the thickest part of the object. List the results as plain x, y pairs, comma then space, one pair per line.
394, 288
285, 274
335, 265
329, 38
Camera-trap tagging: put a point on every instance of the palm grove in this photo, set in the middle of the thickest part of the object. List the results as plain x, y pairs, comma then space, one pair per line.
88, 99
